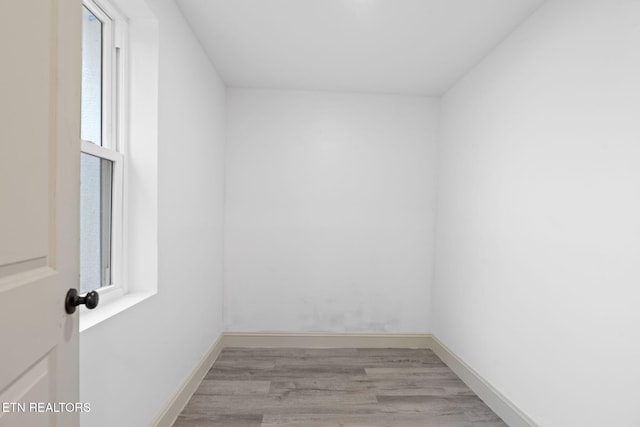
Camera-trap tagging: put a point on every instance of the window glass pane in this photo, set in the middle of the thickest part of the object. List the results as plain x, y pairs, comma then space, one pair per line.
95, 222
91, 122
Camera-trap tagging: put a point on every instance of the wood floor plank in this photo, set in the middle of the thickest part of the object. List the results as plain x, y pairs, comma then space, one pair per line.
355, 362
359, 420
284, 352
390, 354
233, 373
233, 388
400, 372
292, 403
248, 363
333, 387
381, 386
244, 420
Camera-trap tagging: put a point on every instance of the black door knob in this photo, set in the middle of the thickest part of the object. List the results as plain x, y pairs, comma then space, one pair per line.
73, 300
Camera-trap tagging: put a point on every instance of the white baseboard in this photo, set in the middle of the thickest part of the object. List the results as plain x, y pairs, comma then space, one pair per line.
176, 404
502, 406
325, 340
495, 400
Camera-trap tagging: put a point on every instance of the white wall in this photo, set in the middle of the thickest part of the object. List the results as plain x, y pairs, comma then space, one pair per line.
132, 363
538, 247
329, 211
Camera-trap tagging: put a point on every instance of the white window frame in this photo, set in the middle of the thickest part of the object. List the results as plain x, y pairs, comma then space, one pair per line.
133, 106
114, 133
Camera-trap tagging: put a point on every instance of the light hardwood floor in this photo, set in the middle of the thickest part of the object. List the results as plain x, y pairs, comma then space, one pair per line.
288, 387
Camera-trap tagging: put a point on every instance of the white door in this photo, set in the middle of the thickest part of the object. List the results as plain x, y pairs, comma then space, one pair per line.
40, 65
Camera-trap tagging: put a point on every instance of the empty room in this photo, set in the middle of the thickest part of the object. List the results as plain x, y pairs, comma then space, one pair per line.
320, 213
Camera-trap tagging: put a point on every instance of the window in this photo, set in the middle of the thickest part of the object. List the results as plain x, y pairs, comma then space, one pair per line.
101, 159
119, 159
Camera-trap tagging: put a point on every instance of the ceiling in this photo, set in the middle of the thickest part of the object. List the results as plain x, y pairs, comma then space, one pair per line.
385, 46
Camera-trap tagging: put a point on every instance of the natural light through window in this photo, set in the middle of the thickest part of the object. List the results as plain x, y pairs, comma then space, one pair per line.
118, 162
100, 161
91, 123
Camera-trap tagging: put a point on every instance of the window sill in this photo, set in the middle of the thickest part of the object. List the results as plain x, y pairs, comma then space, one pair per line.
89, 318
